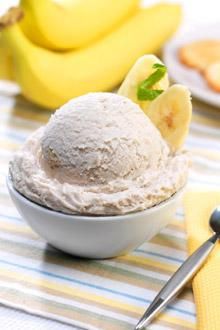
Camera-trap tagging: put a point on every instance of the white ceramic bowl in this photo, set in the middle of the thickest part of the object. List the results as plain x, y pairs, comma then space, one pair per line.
95, 236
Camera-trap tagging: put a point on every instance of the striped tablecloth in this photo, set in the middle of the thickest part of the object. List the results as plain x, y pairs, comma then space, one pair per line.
109, 294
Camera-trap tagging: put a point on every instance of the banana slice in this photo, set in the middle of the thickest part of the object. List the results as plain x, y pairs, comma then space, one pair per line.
141, 70
171, 113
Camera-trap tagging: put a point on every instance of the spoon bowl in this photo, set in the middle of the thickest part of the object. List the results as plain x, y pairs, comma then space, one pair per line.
214, 221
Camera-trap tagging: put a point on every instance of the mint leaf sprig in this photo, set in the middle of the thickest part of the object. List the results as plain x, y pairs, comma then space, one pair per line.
144, 91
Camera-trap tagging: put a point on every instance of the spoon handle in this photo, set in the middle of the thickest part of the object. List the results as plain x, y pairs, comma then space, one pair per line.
178, 281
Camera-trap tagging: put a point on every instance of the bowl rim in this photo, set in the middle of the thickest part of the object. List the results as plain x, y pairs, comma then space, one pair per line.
106, 218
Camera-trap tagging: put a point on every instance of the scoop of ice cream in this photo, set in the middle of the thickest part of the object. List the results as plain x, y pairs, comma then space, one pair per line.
101, 137
98, 154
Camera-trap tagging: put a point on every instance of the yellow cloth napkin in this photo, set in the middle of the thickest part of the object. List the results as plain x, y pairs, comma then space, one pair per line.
206, 284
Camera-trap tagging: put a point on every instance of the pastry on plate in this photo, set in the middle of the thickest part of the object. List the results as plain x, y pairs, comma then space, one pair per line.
199, 54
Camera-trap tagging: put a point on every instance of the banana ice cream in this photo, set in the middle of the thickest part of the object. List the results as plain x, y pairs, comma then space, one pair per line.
99, 154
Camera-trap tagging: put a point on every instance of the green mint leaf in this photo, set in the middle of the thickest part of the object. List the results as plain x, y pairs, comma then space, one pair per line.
148, 94
144, 88
158, 65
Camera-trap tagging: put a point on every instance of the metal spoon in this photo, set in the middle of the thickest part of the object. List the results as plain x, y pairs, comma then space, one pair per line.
183, 274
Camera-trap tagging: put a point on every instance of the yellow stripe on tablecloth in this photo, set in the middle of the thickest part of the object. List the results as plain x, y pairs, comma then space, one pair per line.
205, 114
71, 316
73, 292
25, 110
18, 229
9, 145
17, 123
145, 261
212, 155
41, 283
206, 121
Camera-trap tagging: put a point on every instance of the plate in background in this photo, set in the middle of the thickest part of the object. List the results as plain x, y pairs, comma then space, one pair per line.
184, 75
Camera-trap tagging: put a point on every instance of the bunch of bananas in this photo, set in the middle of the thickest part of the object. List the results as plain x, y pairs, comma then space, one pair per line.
61, 49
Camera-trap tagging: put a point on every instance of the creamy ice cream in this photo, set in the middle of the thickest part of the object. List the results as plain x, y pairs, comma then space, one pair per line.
99, 154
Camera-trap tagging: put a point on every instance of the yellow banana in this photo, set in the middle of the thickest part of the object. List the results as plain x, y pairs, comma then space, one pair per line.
171, 113
141, 70
6, 72
66, 24
50, 78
